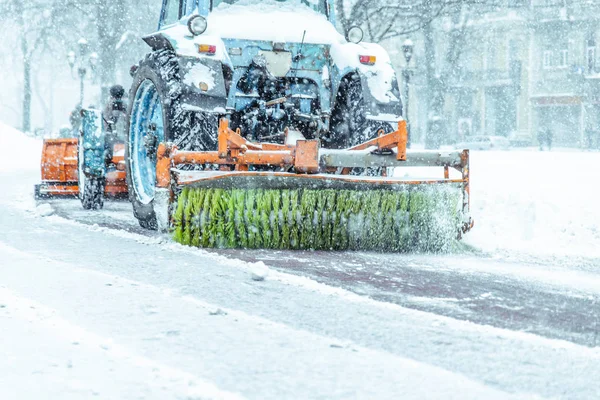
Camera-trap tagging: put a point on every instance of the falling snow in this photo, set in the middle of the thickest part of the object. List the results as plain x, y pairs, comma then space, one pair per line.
94, 306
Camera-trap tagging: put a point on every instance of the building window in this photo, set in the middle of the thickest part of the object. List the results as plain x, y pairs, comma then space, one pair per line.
547, 59
591, 59
590, 55
564, 59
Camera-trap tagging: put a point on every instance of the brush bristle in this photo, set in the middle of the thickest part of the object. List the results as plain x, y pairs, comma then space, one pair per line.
424, 219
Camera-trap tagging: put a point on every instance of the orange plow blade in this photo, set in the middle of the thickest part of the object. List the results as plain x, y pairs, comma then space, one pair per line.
59, 170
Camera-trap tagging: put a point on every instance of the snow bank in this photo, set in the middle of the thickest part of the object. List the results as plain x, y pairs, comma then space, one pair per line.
536, 202
19, 152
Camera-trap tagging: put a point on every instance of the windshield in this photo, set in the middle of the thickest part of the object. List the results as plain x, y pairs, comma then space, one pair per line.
317, 5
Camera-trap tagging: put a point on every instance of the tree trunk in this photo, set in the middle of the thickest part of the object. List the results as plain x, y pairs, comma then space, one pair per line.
341, 14
41, 99
26, 125
105, 58
26, 121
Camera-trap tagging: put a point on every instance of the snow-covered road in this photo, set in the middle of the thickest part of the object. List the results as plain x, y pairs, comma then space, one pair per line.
95, 307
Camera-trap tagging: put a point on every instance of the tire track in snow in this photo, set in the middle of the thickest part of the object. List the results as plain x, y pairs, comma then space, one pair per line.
158, 376
485, 348
339, 368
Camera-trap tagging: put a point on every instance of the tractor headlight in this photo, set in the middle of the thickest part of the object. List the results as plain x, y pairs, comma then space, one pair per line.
354, 34
197, 25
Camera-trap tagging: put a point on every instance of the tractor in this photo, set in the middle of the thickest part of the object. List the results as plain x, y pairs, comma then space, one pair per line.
272, 69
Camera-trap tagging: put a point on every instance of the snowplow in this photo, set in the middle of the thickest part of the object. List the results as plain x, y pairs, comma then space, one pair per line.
312, 201
77, 167
58, 168
258, 125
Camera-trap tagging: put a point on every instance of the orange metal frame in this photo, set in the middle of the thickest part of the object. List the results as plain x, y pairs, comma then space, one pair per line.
59, 160
236, 153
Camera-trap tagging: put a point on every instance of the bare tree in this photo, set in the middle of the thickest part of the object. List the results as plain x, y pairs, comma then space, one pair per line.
382, 20
44, 28
110, 25
43, 25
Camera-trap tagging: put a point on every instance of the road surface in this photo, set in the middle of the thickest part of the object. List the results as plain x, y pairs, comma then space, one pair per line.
92, 306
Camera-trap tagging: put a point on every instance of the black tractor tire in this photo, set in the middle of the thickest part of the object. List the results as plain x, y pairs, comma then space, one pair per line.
348, 119
37, 195
91, 190
92, 195
188, 130
349, 123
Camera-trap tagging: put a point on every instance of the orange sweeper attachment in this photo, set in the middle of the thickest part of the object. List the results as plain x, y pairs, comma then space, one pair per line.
374, 196
61, 170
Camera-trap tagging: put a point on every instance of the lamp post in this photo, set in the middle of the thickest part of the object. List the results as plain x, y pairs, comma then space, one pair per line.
81, 61
407, 49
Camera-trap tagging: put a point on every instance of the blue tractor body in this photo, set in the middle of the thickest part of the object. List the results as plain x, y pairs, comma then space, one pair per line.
317, 67
92, 146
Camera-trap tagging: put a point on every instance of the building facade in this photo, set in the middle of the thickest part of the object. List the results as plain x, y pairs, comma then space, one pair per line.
489, 93
564, 87
524, 67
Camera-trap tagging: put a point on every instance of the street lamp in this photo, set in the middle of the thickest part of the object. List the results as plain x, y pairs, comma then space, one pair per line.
81, 61
407, 49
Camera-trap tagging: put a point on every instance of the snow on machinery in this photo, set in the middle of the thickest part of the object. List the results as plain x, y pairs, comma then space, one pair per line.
256, 124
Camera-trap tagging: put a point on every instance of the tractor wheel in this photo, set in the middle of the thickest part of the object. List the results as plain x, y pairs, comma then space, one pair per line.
91, 190
92, 193
349, 124
348, 119
156, 114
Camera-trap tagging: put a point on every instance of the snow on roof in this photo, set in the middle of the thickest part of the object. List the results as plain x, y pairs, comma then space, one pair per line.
271, 20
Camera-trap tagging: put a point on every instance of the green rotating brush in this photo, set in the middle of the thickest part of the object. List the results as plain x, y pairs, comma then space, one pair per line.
419, 219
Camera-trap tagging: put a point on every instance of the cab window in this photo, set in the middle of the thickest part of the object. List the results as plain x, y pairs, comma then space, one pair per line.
317, 5
171, 12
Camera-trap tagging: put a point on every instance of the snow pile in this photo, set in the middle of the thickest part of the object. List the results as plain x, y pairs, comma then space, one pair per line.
200, 73
19, 152
259, 271
44, 210
536, 202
